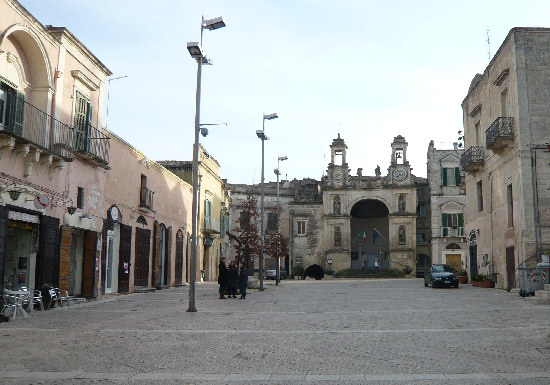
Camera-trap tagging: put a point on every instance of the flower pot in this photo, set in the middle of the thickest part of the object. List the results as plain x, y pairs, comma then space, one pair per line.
488, 284
462, 279
475, 283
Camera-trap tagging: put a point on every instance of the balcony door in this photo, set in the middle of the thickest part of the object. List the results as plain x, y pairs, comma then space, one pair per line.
82, 122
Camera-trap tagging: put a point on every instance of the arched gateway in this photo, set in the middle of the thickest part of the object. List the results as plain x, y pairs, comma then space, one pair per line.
369, 235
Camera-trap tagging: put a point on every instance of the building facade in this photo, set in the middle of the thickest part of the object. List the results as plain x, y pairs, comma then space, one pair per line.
213, 211
447, 206
76, 201
506, 120
350, 222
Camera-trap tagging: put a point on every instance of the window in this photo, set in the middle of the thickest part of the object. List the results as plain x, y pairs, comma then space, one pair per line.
272, 221
504, 102
12, 108
452, 225
145, 195
480, 196
337, 236
338, 157
478, 134
420, 238
399, 156
80, 198
207, 214
421, 212
510, 201
82, 122
450, 176
301, 227
402, 235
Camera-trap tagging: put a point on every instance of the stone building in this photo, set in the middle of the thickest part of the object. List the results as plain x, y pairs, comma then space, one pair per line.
213, 210
506, 119
350, 222
447, 205
80, 209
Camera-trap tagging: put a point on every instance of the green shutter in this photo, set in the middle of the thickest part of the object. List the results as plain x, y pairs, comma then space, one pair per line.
444, 220
444, 176
19, 113
457, 176
460, 220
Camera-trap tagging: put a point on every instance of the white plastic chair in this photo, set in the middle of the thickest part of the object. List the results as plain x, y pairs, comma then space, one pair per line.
37, 299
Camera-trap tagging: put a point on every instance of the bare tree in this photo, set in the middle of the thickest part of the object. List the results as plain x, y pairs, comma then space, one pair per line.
247, 231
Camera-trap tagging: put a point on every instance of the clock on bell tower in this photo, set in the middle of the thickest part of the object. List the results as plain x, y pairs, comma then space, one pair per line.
338, 171
400, 169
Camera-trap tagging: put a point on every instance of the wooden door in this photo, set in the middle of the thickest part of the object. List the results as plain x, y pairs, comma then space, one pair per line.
510, 268
88, 263
47, 265
141, 268
124, 258
179, 258
454, 261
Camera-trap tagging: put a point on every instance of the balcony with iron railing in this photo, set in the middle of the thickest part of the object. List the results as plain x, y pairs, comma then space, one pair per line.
146, 199
452, 232
472, 159
29, 124
500, 134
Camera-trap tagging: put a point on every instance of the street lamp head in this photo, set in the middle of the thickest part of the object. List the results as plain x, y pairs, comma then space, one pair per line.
194, 49
261, 134
213, 24
204, 131
277, 172
270, 116
206, 60
283, 157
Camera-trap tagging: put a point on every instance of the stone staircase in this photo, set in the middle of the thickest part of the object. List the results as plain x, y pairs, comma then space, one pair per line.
542, 297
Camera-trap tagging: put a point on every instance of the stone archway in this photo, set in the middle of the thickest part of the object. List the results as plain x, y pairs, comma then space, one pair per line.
369, 229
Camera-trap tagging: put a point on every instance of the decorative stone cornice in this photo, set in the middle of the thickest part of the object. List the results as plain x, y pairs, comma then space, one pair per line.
502, 77
77, 74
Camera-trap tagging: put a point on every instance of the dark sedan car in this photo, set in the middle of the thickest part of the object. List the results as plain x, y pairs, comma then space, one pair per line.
441, 276
271, 273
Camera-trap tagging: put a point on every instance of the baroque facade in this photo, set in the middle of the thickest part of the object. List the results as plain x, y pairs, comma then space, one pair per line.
506, 120
349, 222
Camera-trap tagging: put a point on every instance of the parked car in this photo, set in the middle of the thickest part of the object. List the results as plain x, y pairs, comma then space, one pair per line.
441, 275
271, 273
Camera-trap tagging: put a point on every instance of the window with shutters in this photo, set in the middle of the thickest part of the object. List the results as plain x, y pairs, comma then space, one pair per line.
450, 176
452, 225
82, 122
12, 108
207, 214
80, 198
272, 221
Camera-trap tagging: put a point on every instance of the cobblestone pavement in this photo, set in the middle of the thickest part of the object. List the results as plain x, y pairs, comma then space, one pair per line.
302, 332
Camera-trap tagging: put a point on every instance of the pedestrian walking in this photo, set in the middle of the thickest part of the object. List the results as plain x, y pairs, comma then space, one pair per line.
243, 279
233, 279
222, 277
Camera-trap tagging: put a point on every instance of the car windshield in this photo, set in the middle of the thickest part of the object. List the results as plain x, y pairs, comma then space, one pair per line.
442, 269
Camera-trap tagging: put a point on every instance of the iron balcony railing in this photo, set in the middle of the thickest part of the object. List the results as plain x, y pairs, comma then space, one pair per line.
452, 232
35, 126
146, 198
91, 142
472, 159
499, 132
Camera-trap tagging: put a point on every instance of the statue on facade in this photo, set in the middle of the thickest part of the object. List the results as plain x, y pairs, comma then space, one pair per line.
377, 171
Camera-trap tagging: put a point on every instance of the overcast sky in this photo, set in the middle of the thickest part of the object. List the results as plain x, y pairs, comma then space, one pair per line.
367, 69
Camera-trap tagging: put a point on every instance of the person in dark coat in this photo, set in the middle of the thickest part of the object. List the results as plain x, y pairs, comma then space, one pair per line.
243, 279
222, 277
233, 279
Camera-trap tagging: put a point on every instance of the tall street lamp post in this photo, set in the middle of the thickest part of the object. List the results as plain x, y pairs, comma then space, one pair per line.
277, 172
195, 50
263, 137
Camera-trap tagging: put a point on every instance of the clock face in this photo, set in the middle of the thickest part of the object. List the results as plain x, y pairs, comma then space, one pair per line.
400, 174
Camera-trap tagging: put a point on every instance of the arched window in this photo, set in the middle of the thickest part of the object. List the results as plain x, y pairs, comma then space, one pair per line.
336, 206
402, 235
337, 236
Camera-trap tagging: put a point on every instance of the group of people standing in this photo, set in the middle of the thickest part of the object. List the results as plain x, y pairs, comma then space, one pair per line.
231, 277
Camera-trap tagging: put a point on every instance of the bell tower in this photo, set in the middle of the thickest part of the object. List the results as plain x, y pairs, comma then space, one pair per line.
400, 169
338, 171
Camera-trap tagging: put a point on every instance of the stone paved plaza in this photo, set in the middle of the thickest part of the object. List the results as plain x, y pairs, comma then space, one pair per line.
326, 332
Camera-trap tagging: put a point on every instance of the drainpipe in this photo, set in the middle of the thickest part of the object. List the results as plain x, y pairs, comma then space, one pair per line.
534, 187
291, 227
491, 216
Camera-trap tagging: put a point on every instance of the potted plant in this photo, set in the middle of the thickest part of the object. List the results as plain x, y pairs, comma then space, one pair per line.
297, 272
487, 282
477, 279
462, 276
